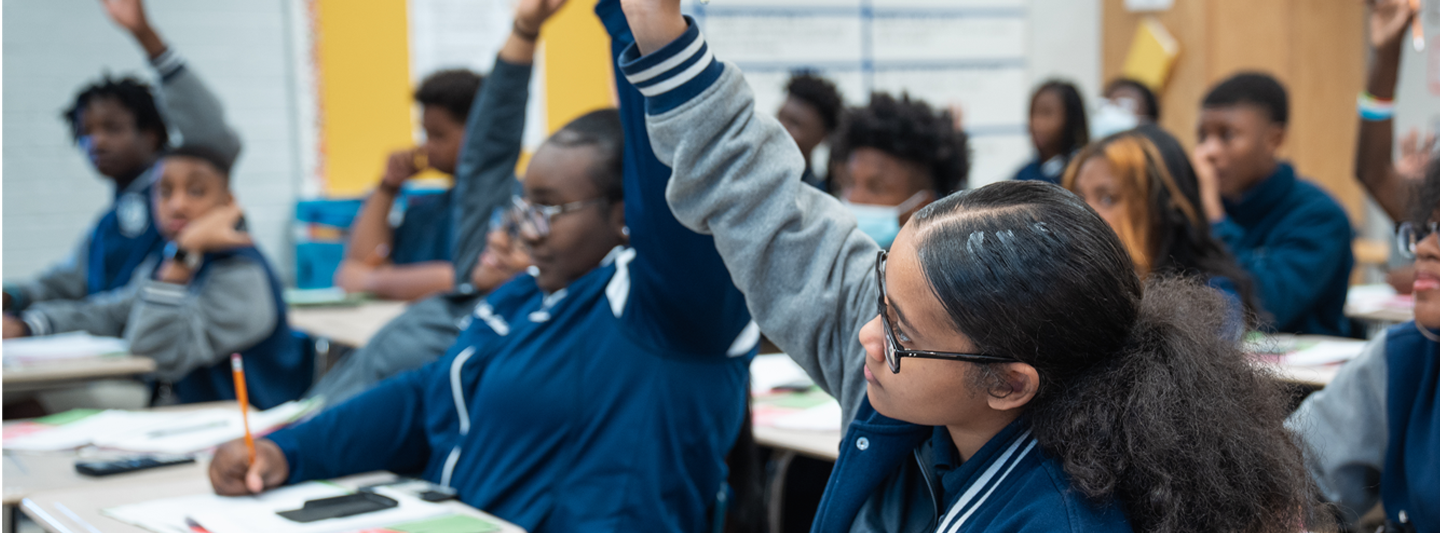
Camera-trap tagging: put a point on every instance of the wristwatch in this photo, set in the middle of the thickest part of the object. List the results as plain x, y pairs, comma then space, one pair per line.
175, 253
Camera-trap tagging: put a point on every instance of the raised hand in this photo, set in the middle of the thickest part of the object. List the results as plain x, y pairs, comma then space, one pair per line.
655, 22
130, 14
1415, 155
530, 15
1389, 20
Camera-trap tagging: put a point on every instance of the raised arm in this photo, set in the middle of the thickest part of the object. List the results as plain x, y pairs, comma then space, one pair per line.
681, 297
806, 272
187, 104
1374, 164
494, 132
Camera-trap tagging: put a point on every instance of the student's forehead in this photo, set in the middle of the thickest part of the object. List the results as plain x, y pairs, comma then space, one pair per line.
106, 106
1238, 113
185, 167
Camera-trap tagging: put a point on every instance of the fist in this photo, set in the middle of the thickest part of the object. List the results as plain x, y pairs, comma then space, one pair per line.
400, 166
231, 475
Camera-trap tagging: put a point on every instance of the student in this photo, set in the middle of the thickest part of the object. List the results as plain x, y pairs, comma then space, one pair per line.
1127, 104
1287, 233
412, 260
598, 394
484, 184
900, 156
123, 129
1067, 397
1057, 129
1151, 199
811, 113
1374, 431
211, 294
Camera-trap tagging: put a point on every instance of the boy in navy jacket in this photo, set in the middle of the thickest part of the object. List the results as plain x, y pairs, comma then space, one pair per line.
209, 294
123, 130
600, 392
1292, 237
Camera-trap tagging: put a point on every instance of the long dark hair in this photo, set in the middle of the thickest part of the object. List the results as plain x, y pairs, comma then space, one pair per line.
1173, 236
1140, 398
1076, 133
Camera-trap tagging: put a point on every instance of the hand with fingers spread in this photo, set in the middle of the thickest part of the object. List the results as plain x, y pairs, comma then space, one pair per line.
231, 475
1415, 155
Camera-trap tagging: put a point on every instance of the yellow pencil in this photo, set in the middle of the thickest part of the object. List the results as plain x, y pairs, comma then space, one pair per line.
238, 370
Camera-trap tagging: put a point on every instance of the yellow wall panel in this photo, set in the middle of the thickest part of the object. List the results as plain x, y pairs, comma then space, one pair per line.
363, 55
578, 75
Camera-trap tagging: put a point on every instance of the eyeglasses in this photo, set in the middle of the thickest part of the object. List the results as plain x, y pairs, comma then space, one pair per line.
533, 220
1409, 235
893, 351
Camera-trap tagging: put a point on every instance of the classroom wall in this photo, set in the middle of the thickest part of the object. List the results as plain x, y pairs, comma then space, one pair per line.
52, 48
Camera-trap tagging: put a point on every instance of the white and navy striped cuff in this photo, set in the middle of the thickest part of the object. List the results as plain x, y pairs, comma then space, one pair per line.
168, 64
673, 74
159, 292
38, 324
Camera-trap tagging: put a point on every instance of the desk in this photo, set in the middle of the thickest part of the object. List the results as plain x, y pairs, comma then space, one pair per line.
50, 375
78, 509
1378, 304
349, 325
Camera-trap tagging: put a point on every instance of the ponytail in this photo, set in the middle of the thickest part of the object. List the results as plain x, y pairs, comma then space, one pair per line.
1182, 427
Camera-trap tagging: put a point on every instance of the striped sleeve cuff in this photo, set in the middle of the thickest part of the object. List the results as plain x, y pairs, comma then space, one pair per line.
168, 64
674, 74
163, 293
38, 323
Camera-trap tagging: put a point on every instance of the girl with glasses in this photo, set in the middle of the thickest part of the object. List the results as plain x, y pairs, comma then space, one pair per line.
1012, 372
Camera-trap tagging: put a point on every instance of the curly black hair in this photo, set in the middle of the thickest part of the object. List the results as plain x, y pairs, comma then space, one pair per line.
453, 90
132, 94
1141, 399
820, 93
911, 130
1253, 88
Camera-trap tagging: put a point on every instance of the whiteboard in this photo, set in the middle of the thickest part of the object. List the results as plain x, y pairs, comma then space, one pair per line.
971, 54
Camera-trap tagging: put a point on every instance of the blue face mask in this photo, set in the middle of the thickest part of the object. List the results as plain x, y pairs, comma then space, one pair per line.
882, 222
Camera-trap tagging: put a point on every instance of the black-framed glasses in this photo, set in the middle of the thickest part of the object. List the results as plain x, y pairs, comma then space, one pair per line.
893, 351
533, 220
1409, 235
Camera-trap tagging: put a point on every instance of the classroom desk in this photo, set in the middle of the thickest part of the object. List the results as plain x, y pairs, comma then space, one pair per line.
77, 510
1378, 305
349, 325
50, 375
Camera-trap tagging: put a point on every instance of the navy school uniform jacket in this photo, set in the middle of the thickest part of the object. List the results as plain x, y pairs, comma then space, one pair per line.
1294, 241
606, 406
425, 233
125, 236
808, 275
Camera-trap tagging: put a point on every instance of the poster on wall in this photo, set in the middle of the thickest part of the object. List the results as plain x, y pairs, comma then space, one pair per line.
969, 54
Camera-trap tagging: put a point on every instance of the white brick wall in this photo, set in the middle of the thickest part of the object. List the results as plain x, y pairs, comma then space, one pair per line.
242, 49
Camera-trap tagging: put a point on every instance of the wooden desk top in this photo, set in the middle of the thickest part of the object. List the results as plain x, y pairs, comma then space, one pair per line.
78, 509
349, 325
52, 374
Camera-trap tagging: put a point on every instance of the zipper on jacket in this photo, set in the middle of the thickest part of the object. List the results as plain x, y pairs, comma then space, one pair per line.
929, 489
460, 410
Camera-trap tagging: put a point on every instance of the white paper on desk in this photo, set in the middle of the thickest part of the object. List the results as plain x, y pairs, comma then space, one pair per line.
1326, 352
768, 371
84, 431
823, 417
77, 345
245, 514
1370, 298
193, 431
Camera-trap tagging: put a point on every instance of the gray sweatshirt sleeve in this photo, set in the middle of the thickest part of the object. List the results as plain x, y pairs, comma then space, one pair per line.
1344, 428
103, 314
65, 280
485, 175
191, 108
806, 271
187, 327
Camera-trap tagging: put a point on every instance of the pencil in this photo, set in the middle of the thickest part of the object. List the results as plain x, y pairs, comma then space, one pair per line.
238, 370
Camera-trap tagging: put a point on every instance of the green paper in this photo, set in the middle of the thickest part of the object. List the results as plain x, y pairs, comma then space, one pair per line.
447, 524
60, 419
796, 400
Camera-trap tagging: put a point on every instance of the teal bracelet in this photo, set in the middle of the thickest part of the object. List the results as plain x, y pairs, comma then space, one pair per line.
1373, 109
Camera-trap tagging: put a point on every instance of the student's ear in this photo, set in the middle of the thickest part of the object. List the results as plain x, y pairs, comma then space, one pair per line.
617, 220
1274, 137
1016, 386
